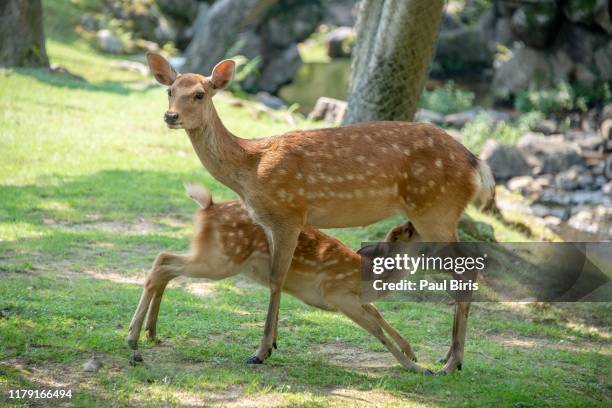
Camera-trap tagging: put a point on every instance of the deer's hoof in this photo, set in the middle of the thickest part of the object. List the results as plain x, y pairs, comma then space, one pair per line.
253, 360
133, 344
135, 359
428, 372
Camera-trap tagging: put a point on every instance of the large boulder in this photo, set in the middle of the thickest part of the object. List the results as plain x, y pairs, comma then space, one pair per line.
528, 67
505, 161
536, 24
340, 12
108, 42
589, 13
461, 50
291, 24
551, 154
219, 30
280, 69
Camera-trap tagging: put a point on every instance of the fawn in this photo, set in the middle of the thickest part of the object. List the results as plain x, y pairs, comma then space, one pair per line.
322, 178
324, 273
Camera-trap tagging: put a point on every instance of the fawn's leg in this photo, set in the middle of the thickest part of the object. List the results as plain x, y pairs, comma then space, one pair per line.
350, 306
151, 324
166, 267
282, 240
401, 342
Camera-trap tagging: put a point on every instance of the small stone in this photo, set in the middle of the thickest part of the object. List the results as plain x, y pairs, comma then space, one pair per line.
108, 42
93, 364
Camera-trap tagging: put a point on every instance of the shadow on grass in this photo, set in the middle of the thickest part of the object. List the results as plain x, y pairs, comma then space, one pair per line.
64, 80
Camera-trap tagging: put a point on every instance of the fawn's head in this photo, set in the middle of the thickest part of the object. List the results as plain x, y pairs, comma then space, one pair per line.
189, 95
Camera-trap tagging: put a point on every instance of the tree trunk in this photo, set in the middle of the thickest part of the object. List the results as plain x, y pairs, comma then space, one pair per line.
394, 47
22, 40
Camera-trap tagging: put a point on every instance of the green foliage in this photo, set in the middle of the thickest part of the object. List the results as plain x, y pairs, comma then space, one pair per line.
446, 99
563, 97
477, 132
245, 67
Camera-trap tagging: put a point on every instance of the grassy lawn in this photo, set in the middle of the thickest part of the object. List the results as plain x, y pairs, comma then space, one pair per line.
90, 192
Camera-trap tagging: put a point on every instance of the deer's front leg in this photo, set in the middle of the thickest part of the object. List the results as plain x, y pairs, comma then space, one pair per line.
282, 242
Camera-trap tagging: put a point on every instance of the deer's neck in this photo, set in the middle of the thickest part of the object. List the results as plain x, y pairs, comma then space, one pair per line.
224, 155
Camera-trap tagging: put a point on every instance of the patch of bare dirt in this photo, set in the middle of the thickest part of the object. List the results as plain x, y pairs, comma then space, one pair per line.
350, 356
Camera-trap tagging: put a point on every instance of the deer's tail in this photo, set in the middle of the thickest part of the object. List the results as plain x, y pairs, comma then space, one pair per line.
199, 194
485, 195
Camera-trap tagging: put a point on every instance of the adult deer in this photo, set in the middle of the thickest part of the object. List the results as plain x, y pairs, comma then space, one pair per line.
324, 273
338, 177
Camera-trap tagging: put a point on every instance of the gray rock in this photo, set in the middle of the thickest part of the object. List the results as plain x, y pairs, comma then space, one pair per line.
589, 13
108, 42
595, 221
568, 179
543, 211
553, 153
524, 185
608, 167
526, 65
271, 101
340, 12
505, 161
461, 118
88, 22
426, 115
606, 129
535, 23
461, 50
339, 42
329, 110
289, 25
546, 126
280, 70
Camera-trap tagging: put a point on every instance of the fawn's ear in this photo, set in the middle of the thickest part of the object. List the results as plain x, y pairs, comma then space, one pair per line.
223, 73
161, 69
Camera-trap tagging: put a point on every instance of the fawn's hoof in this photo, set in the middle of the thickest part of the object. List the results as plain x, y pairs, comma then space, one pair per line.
449, 370
428, 372
253, 360
133, 344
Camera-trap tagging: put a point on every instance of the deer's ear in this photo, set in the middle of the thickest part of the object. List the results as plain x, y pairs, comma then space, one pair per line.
161, 69
222, 74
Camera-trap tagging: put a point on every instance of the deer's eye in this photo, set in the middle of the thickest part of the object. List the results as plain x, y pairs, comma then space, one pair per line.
199, 95
169, 92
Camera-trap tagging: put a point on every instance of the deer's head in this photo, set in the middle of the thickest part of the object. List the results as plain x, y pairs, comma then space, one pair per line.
189, 95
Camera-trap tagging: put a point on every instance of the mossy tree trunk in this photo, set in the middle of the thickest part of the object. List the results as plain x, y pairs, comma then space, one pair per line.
391, 58
22, 40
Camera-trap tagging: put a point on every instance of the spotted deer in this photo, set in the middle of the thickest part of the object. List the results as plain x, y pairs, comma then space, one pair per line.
324, 273
347, 176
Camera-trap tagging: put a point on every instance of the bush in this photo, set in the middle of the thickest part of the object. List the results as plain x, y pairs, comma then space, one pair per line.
483, 128
446, 99
563, 98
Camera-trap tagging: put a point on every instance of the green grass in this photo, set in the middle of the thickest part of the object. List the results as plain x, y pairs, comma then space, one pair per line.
90, 192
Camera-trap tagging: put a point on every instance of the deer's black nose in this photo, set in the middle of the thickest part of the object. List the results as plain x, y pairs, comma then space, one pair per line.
171, 117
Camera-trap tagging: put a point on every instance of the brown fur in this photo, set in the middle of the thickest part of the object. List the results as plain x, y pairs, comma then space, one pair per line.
324, 273
340, 177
